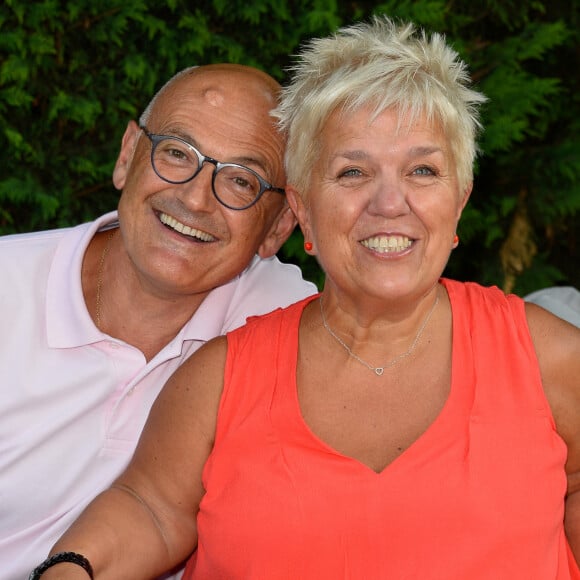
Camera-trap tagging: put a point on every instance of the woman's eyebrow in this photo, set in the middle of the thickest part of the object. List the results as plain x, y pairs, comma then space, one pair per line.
354, 154
421, 150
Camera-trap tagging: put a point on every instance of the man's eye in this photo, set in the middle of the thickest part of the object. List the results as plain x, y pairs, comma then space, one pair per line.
173, 151
177, 153
242, 182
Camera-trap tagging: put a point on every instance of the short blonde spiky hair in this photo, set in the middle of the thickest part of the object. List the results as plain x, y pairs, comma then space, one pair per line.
384, 65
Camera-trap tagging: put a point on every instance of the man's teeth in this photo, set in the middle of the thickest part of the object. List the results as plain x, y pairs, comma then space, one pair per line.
185, 230
384, 244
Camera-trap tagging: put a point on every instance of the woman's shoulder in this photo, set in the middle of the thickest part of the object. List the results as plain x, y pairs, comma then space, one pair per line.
557, 346
462, 294
557, 341
281, 315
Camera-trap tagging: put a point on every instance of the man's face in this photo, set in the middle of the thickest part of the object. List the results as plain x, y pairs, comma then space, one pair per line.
179, 239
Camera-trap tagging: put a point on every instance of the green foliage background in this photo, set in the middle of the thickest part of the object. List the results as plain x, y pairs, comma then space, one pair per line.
73, 73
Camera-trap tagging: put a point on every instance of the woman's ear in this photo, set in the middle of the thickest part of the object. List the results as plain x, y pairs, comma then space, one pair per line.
464, 199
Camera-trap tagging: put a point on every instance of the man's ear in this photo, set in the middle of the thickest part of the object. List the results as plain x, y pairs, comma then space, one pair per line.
125, 157
298, 206
278, 233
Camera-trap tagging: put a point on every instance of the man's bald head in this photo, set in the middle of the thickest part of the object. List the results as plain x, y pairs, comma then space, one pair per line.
261, 83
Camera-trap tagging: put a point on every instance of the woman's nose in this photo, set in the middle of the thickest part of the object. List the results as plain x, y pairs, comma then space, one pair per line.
388, 198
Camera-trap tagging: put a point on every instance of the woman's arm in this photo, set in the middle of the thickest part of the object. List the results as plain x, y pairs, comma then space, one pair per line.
557, 345
146, 522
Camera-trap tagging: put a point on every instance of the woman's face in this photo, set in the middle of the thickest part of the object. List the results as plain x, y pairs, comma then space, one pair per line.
383, 204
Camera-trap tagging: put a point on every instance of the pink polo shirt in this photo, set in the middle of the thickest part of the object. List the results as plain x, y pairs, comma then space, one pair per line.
73, 401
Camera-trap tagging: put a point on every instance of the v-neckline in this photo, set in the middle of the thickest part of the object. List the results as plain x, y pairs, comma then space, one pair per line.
439, 423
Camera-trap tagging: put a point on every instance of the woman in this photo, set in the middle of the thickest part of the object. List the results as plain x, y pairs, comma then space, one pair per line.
398, 425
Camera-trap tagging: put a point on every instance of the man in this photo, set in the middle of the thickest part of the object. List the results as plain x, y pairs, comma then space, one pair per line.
96, 318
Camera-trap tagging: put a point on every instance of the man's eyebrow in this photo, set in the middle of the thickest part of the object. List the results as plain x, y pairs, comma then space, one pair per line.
254, 162
170, 132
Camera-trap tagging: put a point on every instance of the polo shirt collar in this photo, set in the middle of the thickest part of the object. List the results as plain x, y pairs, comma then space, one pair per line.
69, 323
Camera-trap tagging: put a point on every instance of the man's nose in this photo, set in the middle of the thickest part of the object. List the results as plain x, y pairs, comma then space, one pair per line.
197, 194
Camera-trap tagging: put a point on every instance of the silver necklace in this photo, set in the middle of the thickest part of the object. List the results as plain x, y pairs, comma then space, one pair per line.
379, 370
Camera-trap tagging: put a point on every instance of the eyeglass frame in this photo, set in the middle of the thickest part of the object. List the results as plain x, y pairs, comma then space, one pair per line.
156, 138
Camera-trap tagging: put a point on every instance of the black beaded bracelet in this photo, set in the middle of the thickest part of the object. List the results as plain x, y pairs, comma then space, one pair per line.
59, 558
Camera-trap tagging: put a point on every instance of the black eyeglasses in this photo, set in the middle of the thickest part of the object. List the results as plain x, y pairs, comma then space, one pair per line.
176, 161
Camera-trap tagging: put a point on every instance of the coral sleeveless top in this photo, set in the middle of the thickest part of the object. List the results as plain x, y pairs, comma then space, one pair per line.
479, 496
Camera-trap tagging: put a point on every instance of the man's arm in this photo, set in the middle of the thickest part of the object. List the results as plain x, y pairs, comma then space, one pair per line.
146, 522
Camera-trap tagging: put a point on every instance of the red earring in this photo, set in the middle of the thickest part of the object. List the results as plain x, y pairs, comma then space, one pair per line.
455, 240
308, 246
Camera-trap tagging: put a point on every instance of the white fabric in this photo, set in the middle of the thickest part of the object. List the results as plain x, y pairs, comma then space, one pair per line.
73, 401
563, 301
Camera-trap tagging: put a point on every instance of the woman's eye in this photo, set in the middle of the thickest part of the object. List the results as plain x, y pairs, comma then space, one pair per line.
423, 171
350, 173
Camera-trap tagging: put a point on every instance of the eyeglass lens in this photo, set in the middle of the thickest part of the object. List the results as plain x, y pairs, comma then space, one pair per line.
177, 162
